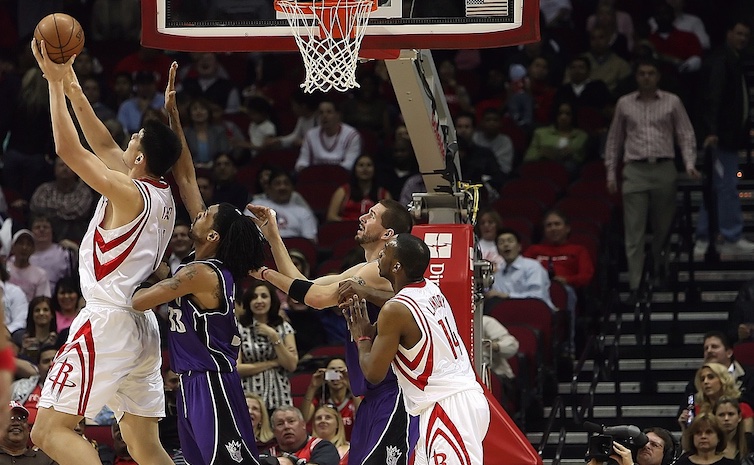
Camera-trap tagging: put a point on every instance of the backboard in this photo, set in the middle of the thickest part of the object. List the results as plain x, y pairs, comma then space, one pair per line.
253, 25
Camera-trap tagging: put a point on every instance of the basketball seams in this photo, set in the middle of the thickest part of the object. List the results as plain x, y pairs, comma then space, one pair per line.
60, 33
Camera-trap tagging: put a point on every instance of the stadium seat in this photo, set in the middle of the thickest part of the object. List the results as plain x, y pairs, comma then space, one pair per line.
594, 170
595, 188
331, 351
284, 158
318, 196
541, 189
532, 312
558, 295
586, 207
522, 226
305, 246
334, 175
332, 232
524, 207
744, 353
546, 169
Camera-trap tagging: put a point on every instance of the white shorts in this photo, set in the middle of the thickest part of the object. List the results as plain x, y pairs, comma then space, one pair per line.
111, 357
451, 432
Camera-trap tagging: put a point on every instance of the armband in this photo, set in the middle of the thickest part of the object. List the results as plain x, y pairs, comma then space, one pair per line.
144, 285
299, 289
7, 360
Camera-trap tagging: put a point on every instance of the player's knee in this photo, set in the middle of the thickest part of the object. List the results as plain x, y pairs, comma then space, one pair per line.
40, 432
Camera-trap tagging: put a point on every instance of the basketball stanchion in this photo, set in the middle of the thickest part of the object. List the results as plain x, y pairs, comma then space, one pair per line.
329, 34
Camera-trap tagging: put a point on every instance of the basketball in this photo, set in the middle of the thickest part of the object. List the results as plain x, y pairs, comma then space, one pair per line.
62, 34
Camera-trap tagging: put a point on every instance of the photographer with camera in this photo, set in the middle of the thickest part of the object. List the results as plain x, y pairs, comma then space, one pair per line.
626, 445
331, 385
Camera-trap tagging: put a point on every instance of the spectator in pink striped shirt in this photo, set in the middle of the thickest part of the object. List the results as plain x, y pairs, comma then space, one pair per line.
645, 126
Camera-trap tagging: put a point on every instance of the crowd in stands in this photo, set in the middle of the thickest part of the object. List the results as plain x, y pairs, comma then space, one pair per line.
533, 121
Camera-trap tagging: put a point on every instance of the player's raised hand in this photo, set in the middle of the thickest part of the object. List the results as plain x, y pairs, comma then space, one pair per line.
52, 71
170, 100
265, 218
359, 323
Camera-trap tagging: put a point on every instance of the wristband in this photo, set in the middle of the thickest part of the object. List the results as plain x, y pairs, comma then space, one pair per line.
299, 288
263, 272
7, 360
364, 338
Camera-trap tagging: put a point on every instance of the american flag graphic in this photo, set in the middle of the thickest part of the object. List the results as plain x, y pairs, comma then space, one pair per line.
486, 7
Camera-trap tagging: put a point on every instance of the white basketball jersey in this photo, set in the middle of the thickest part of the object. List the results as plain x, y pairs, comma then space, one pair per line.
438, 366
112, 262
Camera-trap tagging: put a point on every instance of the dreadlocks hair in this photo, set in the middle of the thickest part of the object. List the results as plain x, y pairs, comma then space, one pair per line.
241, 244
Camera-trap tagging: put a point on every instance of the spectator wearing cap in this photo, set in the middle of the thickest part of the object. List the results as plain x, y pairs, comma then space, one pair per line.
30, 278
14, 448
25, 392
131, 111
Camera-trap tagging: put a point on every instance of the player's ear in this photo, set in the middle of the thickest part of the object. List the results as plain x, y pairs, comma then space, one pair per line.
213, 236
390, 232
397, 266
139, 158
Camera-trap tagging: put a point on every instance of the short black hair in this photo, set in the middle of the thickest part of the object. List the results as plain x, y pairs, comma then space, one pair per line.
241, 247
161, 147
395, 217
466, 114
413, 254
720, 335
582, 59
647, 61
558, 213
510, 231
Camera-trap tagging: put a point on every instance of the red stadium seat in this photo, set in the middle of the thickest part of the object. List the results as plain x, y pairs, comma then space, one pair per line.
524, 207
540, 189
522, 226
284, 159
305, 246
546, 169
318, 197
594, 170
586, 207
585, 225
532, 312
595, 188
333, 175
558, 295
588, 240
332, 351
744, 353
334, 231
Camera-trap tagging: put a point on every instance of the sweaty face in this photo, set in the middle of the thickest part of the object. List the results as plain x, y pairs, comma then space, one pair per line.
203, 224
370, 225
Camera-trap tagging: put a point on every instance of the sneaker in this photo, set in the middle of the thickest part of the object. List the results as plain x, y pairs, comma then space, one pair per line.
740, 246
700, 248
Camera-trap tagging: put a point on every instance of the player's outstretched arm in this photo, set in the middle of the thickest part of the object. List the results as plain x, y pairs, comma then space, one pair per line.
377, 348
114, 185
195, 278
183, 170
97, 135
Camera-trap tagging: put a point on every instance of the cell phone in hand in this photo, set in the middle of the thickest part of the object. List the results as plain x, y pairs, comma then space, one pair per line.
332, 375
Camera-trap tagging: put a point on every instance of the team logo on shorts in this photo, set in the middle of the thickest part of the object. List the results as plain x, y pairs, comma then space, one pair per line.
234, 449
392, 454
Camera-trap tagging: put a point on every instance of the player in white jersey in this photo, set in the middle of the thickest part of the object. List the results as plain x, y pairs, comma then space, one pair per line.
112, 355
417, 334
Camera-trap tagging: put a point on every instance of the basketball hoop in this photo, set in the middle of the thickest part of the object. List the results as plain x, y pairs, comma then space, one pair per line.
329, 34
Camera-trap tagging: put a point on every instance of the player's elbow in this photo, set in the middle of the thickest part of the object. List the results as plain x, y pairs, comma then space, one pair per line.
373, 375
139, 303
318, 301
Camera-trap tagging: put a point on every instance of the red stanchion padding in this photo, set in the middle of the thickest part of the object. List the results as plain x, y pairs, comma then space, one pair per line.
504, 443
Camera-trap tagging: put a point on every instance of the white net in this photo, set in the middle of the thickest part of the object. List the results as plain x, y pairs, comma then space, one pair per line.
329, 34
